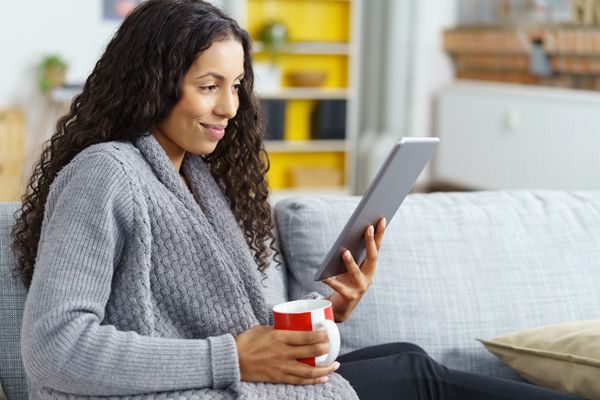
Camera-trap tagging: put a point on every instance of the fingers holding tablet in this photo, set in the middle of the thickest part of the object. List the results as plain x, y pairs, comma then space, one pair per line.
373, 238
351, 286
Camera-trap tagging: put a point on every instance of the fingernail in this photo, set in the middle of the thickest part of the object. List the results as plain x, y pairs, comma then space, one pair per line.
384, 223
347, 254
371, 230
336, 365
323, 379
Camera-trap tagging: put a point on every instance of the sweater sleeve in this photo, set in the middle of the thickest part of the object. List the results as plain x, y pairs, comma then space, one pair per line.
88, 219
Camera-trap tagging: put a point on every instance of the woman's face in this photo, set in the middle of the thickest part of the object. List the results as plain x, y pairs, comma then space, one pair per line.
209, 99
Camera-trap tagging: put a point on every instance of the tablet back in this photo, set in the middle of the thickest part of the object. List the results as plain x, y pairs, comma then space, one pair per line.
395, 178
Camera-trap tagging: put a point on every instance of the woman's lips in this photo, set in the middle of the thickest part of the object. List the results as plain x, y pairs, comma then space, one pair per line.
215, 131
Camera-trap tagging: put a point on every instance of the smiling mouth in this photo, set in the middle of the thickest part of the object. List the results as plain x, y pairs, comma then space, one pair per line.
216, 132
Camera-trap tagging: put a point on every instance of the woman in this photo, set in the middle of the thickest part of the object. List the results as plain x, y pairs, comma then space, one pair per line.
145, 221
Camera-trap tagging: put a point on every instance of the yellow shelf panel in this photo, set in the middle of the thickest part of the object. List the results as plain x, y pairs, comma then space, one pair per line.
297, 119
286, 167
305, 20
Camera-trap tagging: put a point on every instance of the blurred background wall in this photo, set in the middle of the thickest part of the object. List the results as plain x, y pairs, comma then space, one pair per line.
31, 30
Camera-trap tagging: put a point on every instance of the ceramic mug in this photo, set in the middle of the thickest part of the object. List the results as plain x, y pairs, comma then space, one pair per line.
310, 315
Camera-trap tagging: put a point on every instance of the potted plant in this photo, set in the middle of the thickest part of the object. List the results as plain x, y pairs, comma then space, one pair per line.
51, 72
273, 37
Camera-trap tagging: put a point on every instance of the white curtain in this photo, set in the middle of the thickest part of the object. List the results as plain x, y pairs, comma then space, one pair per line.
383, 101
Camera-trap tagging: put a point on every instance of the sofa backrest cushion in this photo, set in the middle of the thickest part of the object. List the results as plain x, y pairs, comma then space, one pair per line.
12, 300
458, 266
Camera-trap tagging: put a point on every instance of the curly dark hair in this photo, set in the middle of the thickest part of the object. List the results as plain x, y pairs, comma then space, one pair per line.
133, 86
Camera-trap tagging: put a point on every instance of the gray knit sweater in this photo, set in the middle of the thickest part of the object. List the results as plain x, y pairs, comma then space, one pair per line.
141, 285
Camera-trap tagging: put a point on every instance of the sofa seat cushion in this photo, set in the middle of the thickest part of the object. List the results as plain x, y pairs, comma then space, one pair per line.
457, 266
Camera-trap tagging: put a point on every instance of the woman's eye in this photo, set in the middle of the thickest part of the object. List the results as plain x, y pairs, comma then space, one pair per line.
237, 87
209, 88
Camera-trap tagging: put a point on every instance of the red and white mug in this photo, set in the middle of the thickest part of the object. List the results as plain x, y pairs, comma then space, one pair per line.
310, 315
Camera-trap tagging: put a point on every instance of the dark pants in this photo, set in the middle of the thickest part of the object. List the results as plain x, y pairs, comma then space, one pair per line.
405, 371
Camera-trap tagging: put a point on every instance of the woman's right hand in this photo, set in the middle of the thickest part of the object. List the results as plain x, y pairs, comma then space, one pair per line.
269, 355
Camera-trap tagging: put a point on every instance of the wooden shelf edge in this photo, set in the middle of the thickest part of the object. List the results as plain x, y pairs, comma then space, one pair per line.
305, 93
318, 48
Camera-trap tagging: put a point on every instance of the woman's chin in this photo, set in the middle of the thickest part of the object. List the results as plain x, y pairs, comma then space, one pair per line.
203, 150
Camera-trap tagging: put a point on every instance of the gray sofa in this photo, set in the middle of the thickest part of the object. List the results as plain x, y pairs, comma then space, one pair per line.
453, 267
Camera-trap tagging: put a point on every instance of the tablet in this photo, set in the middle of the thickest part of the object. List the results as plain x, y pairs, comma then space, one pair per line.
395, 178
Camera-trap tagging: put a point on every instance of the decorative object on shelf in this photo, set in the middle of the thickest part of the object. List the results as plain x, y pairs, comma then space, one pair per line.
267, 77
538, 59
307, 78
274, 118
315, 176
328, 120
51, 72
548, 55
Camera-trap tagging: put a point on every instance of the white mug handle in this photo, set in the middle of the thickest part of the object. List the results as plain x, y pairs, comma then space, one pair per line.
333, 334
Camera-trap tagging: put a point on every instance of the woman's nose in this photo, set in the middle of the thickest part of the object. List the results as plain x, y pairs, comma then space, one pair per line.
228, 105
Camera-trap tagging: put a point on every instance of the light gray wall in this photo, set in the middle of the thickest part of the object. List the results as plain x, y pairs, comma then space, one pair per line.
29, 30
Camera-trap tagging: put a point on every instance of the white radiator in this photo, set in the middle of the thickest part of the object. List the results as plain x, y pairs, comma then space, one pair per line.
496, 136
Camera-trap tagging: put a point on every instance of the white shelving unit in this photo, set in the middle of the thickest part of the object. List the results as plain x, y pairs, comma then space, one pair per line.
238, 10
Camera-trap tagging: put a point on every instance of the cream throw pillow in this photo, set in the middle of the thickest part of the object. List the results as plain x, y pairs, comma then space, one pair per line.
564, 357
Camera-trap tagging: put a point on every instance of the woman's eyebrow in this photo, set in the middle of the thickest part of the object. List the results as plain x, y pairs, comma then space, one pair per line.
218, 76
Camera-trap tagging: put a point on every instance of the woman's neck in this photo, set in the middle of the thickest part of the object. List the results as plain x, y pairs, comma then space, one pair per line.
174, 152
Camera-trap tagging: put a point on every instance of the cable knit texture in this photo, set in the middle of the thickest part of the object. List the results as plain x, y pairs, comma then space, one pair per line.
141, 285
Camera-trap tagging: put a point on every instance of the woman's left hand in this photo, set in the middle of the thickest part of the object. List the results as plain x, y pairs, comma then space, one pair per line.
351, 286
